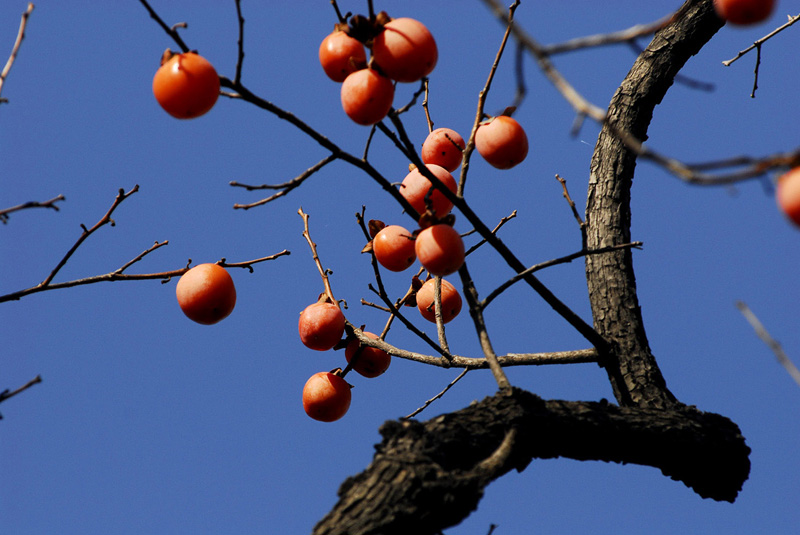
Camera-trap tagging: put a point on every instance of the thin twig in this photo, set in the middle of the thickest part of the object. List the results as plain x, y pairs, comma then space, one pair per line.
118, 275
322, 272
31, 204
562, 260
6, 394
106, 219
470, 147
502, 222
575, 214
15, 49
172, 32
759, 42
623, 36
240, 43
476, 312
425, 107
437, 314
773, 344
285, 188
437, 396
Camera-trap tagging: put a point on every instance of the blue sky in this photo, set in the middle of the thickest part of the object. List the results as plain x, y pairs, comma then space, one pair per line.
148, 423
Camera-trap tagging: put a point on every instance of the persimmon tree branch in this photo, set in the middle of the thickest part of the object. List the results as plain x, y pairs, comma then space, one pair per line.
758, 42
632, 369
583, 108
15, 49
118, 274
578, 356
482, 95
172, 32
423, 479
7, 394
285, 187
771, 343
31, 204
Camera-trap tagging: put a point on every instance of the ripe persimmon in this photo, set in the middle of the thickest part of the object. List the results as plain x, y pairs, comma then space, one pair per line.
394, 248
186, 85
340, 55
502, 142
369, 361
451, 301
443, 147
321, 326
206, 294
405, 50
743, 12
440, 249
326, 397
787, 194
415, 187
367, 96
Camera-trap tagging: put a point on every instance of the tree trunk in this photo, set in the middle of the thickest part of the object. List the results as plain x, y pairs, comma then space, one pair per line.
632, 369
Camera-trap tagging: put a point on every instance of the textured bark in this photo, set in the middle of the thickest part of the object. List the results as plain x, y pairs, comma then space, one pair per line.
428, 476
632, 369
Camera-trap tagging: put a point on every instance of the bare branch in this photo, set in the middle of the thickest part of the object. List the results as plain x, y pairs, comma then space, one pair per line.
437, 396
479, 114
15, 49
285, 188
6, 394
623, 36
31, 204
773, 344
172, 32
322, 272
757, 44
240, 43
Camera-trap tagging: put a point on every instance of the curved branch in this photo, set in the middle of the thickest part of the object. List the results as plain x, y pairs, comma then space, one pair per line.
428, 476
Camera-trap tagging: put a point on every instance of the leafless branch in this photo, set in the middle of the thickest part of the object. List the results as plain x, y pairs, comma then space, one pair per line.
6, 394
31, 204
773, 344
562, 260
439, 395
285, 188
757, 44
479, 114
15, 49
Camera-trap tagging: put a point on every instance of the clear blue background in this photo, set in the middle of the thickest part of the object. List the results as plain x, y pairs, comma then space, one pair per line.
149, 423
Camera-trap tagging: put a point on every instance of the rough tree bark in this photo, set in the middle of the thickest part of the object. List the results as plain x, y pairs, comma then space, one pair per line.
429, 476
632, 369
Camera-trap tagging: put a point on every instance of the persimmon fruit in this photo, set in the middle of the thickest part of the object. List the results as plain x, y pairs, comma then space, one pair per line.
206, 294
787, 194
744, 12
443, 147
394, 248
321, 326
186, 85
405, 50
415, 187
341, 55
451, 301
369, 361
326, 397
440, 249
502, 142
367, 96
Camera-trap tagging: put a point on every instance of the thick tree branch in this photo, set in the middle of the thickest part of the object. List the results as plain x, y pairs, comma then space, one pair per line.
631, 367
428, 476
